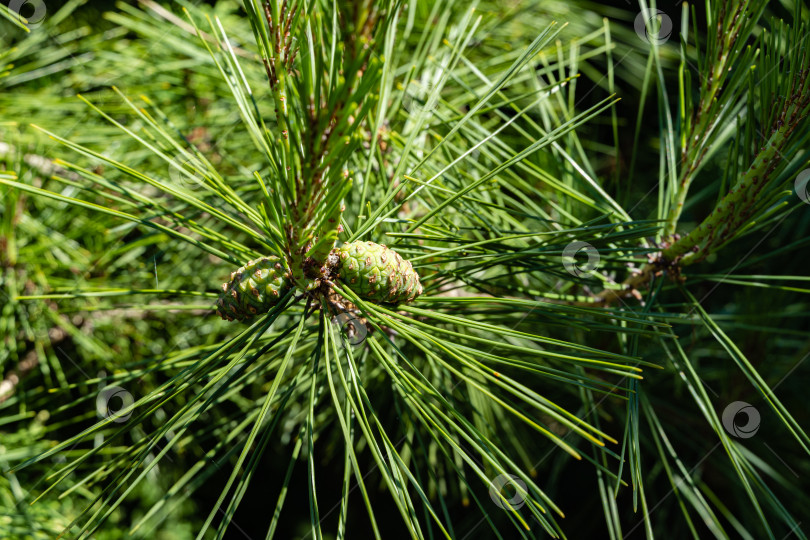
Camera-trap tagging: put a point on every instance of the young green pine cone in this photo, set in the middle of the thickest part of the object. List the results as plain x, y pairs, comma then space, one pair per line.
253, 289
377, 273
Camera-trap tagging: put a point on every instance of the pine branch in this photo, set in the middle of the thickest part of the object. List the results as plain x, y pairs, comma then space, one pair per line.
725, 60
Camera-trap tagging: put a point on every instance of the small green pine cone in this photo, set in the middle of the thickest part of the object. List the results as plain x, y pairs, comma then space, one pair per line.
377, 273
253, 289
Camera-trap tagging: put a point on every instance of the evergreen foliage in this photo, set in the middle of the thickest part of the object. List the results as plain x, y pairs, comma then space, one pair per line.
400, 198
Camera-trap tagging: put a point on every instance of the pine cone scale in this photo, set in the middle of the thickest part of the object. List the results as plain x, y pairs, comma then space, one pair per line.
377, 272
253, 288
